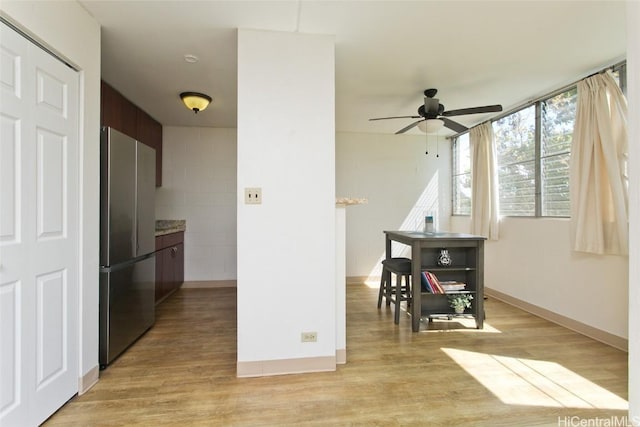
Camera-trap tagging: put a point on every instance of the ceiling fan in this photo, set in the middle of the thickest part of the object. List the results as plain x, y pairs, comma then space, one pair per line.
433, 116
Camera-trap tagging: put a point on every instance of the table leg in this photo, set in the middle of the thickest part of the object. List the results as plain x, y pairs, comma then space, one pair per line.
416, 286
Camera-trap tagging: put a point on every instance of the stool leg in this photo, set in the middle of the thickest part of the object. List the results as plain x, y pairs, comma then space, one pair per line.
388, 291
407, 281
382, 290
398, 298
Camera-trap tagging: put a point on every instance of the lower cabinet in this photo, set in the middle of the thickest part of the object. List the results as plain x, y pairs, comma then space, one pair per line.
169, 264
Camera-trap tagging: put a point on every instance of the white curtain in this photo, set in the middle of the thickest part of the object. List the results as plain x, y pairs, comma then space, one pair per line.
484, 182
598, 181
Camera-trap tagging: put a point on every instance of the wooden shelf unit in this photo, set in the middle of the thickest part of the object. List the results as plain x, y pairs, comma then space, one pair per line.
467, 256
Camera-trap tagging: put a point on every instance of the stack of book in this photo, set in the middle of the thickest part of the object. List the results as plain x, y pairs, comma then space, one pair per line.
431, 284
452, 286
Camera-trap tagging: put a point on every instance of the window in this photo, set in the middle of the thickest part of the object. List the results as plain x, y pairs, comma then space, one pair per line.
461, 176
515, 140
558, 117
533, 147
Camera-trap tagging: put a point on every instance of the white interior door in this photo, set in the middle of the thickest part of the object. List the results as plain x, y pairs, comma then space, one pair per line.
38, 232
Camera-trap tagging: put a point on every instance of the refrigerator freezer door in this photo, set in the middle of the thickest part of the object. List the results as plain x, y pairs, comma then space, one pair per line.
146, 207
127, 306
117, 197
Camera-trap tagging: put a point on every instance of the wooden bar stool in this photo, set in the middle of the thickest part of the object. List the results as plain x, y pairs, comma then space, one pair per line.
401, 267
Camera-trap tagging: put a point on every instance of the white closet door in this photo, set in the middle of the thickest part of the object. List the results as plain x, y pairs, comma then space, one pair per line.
38, 232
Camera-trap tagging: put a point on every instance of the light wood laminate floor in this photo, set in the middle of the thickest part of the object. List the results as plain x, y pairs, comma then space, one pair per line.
519, 371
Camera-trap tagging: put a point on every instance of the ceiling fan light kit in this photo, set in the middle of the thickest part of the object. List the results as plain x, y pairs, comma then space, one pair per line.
434, 117
195, 101
431, 125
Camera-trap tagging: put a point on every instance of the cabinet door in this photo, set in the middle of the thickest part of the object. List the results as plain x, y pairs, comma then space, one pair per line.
143, 128
111, 111
156, 137
159, 275
129, 118
123, 115
179, 265
149, 132
168, 270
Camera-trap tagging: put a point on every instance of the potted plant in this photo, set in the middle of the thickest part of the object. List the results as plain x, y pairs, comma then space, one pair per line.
460, 301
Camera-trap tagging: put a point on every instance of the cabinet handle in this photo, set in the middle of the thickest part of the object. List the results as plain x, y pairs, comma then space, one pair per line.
174, 251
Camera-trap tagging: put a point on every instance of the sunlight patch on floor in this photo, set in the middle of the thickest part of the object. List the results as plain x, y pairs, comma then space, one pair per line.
517, 381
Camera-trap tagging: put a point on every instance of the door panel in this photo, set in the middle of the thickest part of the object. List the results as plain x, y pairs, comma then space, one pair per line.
51, 176
9, 180
51, 354
51, 93
38, 232
10, 351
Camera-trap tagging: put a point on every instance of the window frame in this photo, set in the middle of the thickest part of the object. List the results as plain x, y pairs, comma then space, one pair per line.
620, 68
455, 153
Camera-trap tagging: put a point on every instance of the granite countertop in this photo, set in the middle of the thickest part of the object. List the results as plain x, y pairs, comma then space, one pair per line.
168, 226
349, 201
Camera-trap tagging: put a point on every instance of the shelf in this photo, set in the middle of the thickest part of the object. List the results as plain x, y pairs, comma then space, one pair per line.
449, 293
466, 253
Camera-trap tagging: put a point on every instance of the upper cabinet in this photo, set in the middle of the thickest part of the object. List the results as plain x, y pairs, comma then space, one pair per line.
121, 114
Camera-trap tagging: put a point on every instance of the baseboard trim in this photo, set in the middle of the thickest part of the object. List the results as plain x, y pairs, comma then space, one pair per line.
199, 284
341, 356
264, 368
582, 328
88, 380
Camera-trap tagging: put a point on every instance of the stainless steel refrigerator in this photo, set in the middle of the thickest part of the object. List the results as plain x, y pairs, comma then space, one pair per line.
127, 242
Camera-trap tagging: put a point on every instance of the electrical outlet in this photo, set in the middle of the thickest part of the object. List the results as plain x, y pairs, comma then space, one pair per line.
309, 337
253, 196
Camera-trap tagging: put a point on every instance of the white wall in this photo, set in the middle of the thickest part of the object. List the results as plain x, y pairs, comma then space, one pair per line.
72, 33
400, 181
533, 262
633, 81
199, 185
286, 245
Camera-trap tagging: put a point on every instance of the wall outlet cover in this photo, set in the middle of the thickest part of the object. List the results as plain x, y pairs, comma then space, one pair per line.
253, 196
309, 337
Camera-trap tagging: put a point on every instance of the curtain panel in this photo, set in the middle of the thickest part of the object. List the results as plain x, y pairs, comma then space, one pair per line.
598, 181
484, 182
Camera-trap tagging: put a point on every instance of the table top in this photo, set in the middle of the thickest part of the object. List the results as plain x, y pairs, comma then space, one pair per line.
438, 235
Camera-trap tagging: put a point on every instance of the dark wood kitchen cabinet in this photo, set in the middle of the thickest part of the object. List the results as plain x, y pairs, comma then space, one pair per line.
121, 114
169, 264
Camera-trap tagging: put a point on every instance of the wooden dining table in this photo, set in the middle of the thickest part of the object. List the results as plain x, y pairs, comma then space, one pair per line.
424, 248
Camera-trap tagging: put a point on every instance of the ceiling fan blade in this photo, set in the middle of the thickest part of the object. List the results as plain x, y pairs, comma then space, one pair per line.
454, 126
406, 128
474, 110
395, 117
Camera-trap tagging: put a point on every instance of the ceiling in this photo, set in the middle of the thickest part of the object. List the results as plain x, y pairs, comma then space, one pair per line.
387, 52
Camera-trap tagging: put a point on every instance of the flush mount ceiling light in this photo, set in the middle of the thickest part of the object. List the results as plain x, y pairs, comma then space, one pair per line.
431, 125
195, 101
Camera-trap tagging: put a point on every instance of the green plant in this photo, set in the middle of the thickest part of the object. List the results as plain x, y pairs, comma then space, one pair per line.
460, 300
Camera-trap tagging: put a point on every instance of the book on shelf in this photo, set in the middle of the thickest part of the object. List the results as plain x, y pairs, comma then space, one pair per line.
435, 283
430, 283
424, 282
453, 286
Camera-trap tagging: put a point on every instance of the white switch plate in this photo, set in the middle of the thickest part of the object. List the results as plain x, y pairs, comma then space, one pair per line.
253, 196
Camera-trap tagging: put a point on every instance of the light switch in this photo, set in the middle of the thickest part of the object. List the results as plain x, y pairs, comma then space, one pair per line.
253, 196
